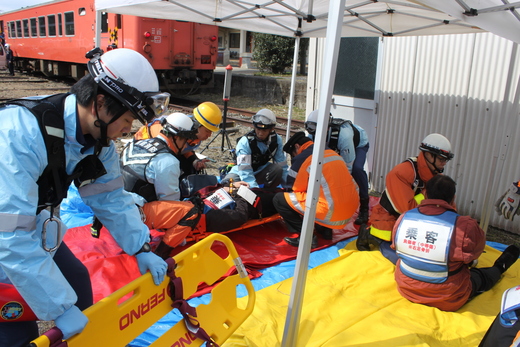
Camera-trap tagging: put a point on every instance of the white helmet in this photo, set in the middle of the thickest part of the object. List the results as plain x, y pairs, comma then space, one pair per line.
437, 144
264, 119
129, 77
311, 122
179, 124
7, 46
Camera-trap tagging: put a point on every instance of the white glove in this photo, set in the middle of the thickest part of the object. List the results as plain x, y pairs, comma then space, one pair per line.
508, 203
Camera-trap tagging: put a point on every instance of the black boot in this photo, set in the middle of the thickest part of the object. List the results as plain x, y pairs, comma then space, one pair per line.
365, 239
363, 212
507, 258
325, 232
295, 241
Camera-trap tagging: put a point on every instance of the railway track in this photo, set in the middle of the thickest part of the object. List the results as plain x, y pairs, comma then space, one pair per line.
243, 117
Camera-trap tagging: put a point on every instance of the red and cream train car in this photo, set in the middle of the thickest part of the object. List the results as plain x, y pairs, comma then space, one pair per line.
53, 38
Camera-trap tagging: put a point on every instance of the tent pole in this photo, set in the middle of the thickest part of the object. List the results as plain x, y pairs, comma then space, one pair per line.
97, 29
293, 83
292, 322
502, 141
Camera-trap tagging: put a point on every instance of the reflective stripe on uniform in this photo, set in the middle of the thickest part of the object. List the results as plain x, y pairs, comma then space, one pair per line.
10, 222
380, 233
97, 188
324, 187
431, 274
131, 158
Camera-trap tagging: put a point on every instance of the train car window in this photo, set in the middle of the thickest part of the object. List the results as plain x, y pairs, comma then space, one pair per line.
34, 28
12, 31
118, 21
42, 27
82, 11
60, 25
18, 28
51, 24
25, 28
69, 23
104, 22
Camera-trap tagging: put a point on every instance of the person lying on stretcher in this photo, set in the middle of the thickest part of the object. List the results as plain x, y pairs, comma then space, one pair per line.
151, 170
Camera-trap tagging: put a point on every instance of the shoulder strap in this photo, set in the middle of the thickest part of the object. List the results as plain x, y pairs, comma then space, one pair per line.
417, 182
53, 183
333, 132
416, 185
356, 134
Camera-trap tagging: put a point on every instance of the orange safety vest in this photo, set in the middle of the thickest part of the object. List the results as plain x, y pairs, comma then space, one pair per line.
338, 198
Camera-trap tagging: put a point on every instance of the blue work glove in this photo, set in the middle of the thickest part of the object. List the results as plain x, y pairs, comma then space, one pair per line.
508, 203
154, 263
71, 322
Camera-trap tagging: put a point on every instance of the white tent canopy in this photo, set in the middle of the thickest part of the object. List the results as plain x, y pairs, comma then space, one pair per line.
331, 19
360, 18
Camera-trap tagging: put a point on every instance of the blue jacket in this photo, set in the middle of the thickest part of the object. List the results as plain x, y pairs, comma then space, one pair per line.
244, 166
346, 143
23, 157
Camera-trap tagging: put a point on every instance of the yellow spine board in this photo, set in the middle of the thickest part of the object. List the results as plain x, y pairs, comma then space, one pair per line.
116, 321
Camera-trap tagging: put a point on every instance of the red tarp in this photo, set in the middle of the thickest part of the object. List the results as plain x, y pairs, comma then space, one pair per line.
259, 247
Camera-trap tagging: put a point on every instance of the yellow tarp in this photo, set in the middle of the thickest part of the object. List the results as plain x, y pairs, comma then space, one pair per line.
353, 301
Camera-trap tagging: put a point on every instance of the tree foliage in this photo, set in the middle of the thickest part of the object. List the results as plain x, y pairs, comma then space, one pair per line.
272, 52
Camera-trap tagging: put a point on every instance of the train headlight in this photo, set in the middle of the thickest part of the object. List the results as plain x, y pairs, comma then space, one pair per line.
213, 38
147, 35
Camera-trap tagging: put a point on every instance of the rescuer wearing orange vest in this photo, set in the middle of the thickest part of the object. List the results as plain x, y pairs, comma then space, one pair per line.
403, 192
338, 198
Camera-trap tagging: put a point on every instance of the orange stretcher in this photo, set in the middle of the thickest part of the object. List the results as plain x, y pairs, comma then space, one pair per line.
122, 316
197, 234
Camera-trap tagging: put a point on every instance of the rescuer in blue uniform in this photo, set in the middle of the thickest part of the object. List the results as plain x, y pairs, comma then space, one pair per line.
121, 86
260, 156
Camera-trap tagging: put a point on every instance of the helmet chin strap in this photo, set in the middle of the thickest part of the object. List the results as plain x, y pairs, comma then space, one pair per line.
104, 141
437, 170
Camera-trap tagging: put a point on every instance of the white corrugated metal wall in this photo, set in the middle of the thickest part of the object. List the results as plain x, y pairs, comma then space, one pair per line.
453, 85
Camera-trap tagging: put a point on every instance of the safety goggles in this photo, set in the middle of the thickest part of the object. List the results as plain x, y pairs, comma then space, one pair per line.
310, 127
262, 122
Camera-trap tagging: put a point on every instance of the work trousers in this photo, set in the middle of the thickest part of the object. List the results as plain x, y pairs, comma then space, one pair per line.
20, 334
483, 279
293, 220
11, 68
358, 171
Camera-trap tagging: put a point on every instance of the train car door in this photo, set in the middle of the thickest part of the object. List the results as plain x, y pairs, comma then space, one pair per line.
181, 44
3, 58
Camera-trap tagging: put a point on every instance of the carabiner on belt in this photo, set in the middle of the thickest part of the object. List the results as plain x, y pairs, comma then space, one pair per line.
44, 233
